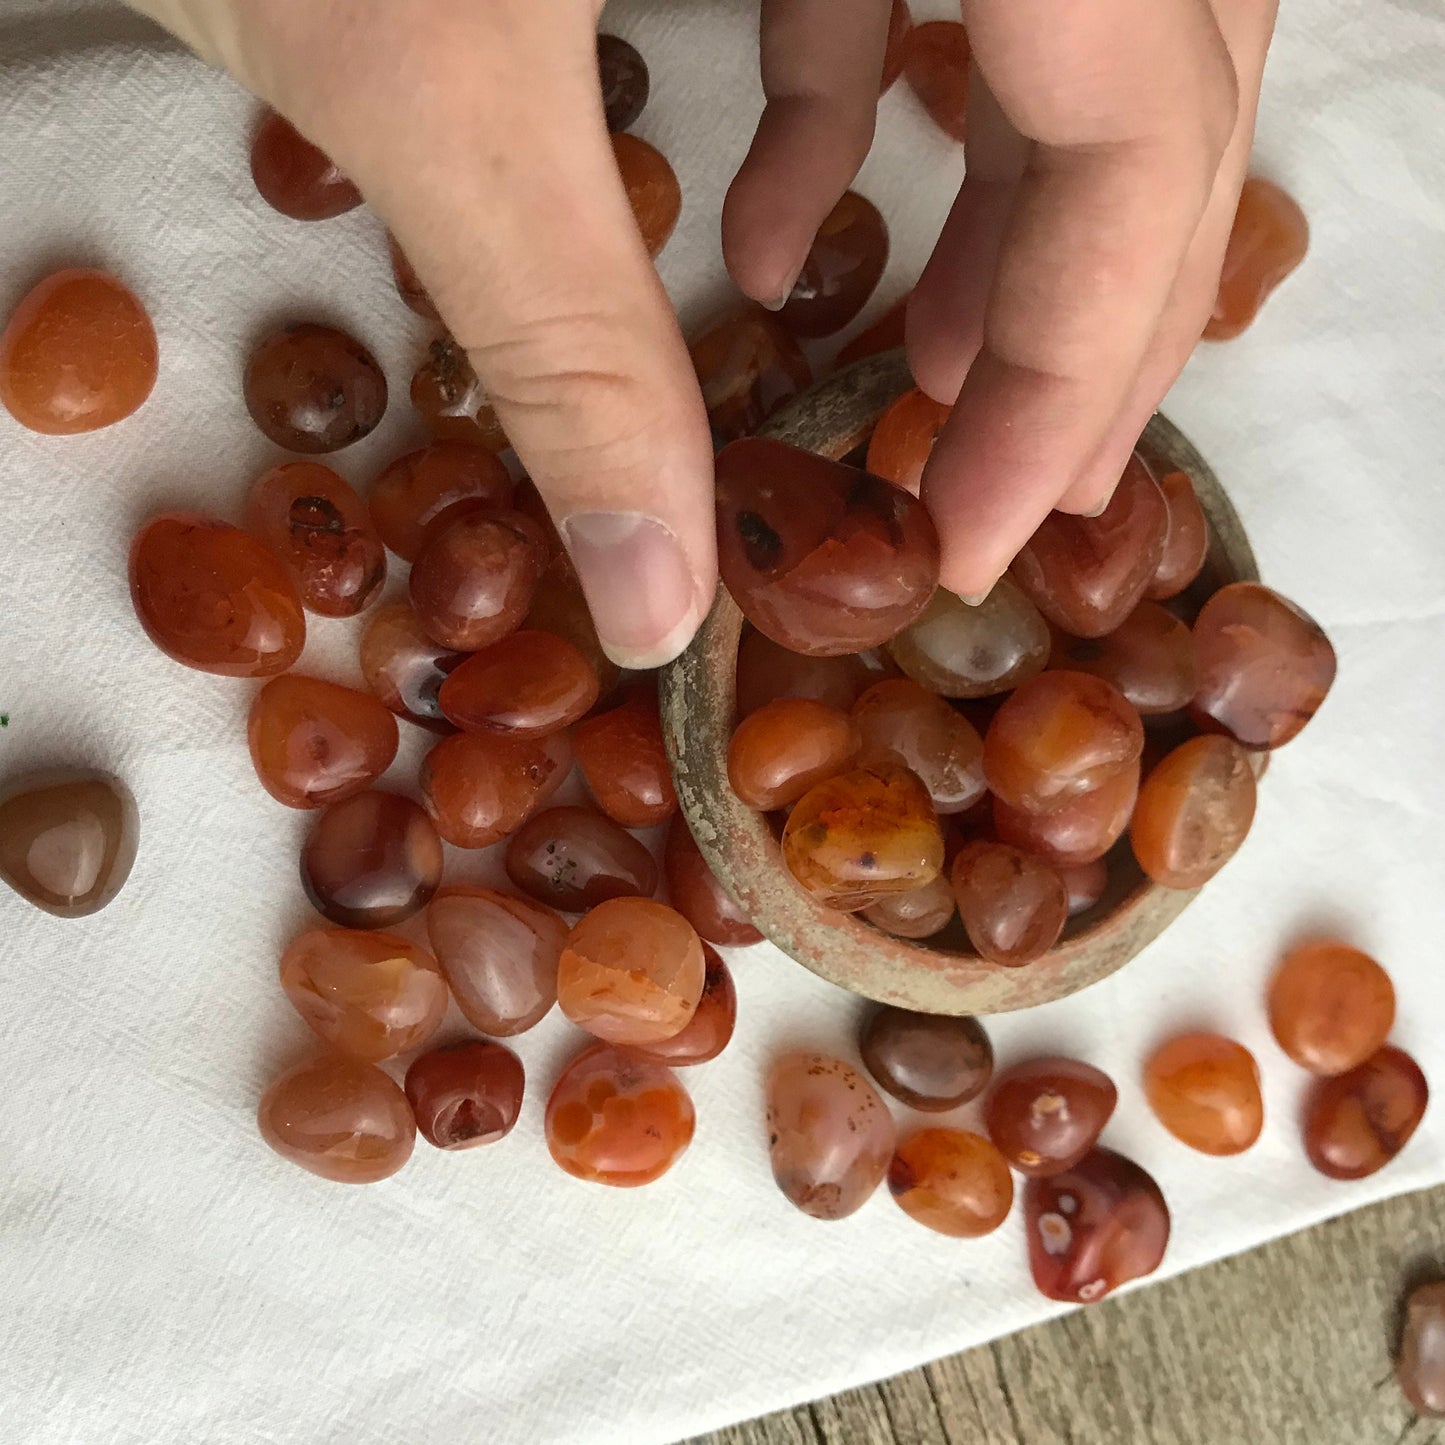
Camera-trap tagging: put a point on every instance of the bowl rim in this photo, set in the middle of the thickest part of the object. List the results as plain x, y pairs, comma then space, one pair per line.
697, 696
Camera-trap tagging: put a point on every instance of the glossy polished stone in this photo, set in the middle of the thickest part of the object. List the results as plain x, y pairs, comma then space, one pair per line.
900, 23
78, 353
652, 189
931, 1062
295, 177
709, 1030
525, 685
842, 269
821, 557
885, 334
68, 838
574, 858
935, 64
212, 597
499, 954
1330, 1006
693, 889
448, 396
1149, 657
901, 722
920, 913
1357, 1122
479, 787
747, 365
560, 607
622, 756
780, 751
625, 84
768, 670
830, 1137
1268, 240
419, 487
404, 667
952, 1182
1082, 831
314, 389
465, 1094
1187, 543
1085, 883
1013, 905
1205, 1090
904, 439
1046, 1114
1420, 1369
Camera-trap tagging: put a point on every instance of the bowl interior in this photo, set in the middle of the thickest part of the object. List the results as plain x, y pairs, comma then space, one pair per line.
940, 975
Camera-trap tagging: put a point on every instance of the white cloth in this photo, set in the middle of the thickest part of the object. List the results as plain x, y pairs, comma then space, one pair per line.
164, 1279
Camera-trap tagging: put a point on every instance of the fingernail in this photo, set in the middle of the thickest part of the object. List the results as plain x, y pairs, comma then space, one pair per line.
783, 296
1099, 510
975, 599
638, 584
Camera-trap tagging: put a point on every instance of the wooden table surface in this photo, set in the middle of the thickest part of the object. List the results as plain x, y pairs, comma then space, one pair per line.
1291, 1344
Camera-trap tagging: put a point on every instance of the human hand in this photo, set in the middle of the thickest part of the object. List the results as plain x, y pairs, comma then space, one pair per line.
1107, 143
476, 131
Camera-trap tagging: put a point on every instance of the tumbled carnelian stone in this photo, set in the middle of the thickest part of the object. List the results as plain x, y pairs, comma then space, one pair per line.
574, 858
314, 389
904, 438
1046, 1114
212, 597
525, 685
341, 1119
476, 574
323, 534
1149, 657
417, 488
315, 742
478, 787
710, 1029
1265, 666
1013, 905
465, 1094
68, 838
371, 861
885, 334
961, 649
1094, 1227
1268, 240
1205, 1091
1193, 812
767, 670
830, 1136
842, 269
900, 23
618, 1119
1083, 830
623, 758
1420, 1369
499, 953
78, 353
1187, 543
631, 972
951, 1181
652, 189
622, 72
935, 64
1356, 1122
1085, 883
780, 751
451, 400
1087, 574
1059, 735
693, 889
1330, 1006
899, 721
404, 667
747, 365
931, 1062
820, 556
295, 177
863, 835
919, 913
559, 606
370, 996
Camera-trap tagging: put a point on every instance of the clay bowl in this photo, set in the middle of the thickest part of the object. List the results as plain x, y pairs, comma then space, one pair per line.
940, 975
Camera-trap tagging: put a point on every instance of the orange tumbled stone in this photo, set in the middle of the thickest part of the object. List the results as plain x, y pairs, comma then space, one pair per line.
295, 177
370, 996
323, 534
1205, 1090
1268, 240
451, 400
338, 1118
314, 742
899, 721
885, 334
1059, 735
1086, 884
1149, 657
860, 836
935, 64
1265, 666
631, 972
1194, 811
1046, 1114
622, 756
314, 389
1330, 1006
951, 1181
499, 953
1013, 905
747, 365
417, 488
1187, 542
768, 670
78, 353
920, 913
1357, 1122
404, 667
780, 751
574, 858
709, 1030
652, 189
1083, 830
466, 1094
904, 438
212, 597
614, 1118
900, 23
693, 889
525, 685
841, 271
559, 606
479, 787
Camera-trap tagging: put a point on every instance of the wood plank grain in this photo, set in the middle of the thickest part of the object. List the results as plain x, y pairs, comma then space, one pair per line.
1291, 1345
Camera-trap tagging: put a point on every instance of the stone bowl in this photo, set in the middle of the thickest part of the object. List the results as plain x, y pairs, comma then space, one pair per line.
943, 975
